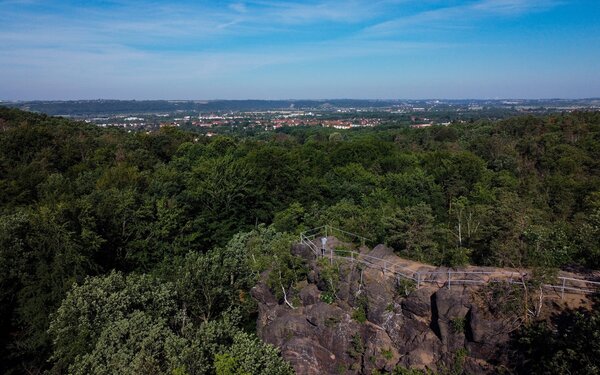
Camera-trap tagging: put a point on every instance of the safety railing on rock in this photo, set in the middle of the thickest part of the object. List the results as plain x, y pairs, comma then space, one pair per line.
446, 278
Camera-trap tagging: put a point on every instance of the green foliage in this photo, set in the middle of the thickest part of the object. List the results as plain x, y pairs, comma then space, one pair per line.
39, 260
405, 286
330, 278
328, 297
361, 308
357, 347
251, 356
414, 186
588, 233
457, 257
225, 364
503, 299
90, 311
570, 345
548, 246
269, 250
136, 324
335, 137
359, 315
412, 232
77, 201
458, 324
137, 344
542, 275
387, 354
458, 366
220, 190
214, 282
351, 216
290, 219
353, 180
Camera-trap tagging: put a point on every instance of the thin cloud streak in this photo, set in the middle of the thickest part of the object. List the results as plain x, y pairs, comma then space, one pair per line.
166, 26
345, 11
119, 60
515, 7
135, 45
459, 16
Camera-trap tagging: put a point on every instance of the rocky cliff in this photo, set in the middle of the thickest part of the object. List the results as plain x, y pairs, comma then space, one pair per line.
376, 322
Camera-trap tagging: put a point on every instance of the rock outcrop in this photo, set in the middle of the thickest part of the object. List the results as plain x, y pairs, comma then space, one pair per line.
377, 322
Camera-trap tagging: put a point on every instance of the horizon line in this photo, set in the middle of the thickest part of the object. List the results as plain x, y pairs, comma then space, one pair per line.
293, 99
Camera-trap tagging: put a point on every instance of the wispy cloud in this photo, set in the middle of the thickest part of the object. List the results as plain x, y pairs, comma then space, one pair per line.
176, 37
461, 16
238, 7
132, 21
134, 45
328, 10
202, 26
117, 71
514, 7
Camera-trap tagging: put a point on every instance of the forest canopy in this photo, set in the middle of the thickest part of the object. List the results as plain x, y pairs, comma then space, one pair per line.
94, 219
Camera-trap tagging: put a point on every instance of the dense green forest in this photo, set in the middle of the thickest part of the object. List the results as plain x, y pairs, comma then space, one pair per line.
135, 252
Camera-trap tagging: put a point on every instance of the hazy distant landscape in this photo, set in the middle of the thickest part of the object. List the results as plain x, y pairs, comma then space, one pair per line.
227, 116
87, 108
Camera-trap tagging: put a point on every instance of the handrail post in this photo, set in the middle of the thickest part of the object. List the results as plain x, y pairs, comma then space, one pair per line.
311, 241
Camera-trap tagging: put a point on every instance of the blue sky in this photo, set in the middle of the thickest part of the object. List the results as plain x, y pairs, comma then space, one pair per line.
267, 49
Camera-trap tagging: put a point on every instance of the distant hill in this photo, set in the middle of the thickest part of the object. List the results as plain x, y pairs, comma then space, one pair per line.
86, 108
101, 107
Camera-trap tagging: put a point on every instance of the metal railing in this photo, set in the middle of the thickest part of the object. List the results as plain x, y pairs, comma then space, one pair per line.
445, 278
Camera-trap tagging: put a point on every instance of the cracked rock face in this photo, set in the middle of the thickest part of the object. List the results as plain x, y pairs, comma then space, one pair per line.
425, 328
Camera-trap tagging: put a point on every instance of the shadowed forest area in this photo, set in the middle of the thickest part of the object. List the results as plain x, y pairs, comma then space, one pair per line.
135, 252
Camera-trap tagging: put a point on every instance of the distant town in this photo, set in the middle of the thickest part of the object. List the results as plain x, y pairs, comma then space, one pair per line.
210, 117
